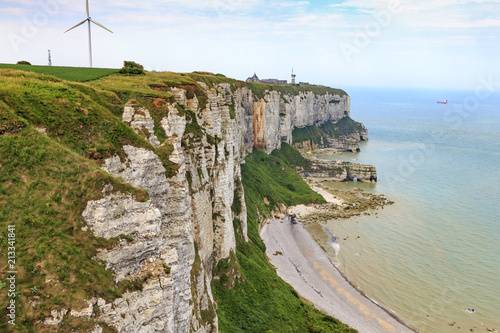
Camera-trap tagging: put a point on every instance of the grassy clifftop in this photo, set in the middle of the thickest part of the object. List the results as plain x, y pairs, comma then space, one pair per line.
156, 80
260, 88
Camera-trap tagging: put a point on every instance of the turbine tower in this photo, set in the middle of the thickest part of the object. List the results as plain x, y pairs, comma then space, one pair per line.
88, 20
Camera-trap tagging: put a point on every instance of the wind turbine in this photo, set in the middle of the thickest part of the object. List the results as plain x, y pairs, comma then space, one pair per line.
88, 20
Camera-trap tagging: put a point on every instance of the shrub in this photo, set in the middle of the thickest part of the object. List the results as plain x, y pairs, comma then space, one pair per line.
132, 68
23, 62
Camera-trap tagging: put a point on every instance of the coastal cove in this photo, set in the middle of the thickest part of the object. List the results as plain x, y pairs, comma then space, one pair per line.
433, 256
301, 261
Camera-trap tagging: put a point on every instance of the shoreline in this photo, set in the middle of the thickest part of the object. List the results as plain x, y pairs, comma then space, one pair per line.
303, 263
387, 310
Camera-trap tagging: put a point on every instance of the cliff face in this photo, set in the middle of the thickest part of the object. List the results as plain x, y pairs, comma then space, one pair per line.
187, 225
276, 115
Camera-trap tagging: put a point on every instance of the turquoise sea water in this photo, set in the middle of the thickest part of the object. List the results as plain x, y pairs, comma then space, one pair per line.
436, 252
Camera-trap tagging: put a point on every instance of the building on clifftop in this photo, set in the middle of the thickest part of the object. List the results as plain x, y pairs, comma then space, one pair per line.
255, 78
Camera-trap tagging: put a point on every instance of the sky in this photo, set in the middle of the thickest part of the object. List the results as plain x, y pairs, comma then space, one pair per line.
446, 44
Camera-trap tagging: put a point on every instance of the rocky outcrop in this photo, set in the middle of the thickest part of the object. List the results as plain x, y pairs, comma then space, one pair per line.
361, 172
343, 135
172, 241
340, 171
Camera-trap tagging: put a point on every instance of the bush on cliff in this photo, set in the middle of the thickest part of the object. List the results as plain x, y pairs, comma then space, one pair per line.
132, 68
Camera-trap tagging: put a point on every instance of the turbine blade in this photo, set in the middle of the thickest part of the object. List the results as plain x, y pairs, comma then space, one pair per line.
88, 14
79, 24
99, 24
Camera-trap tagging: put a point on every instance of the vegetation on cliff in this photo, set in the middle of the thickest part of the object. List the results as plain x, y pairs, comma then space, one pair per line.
132, 68
260, 301
344, 127
319, 134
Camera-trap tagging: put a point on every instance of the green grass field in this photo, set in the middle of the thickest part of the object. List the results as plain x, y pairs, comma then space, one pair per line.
76, 74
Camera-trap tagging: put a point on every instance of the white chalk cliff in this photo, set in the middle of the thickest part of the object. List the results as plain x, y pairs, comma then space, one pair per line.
189, 216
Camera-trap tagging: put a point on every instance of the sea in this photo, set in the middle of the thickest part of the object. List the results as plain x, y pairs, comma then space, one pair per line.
433, 257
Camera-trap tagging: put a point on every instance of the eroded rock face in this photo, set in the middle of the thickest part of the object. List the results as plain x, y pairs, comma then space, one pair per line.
174, 126
120, 214
163, 239
173, 239
141, 122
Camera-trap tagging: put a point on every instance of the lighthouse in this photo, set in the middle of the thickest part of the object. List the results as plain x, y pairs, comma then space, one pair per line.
293, 77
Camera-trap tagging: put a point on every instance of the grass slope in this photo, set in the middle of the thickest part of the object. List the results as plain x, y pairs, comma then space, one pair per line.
76, 74
257, 300
44, 187
74, 114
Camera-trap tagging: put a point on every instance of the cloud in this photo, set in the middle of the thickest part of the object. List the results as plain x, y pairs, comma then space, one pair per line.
436, 14
448, 23
282, 4
12, 11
